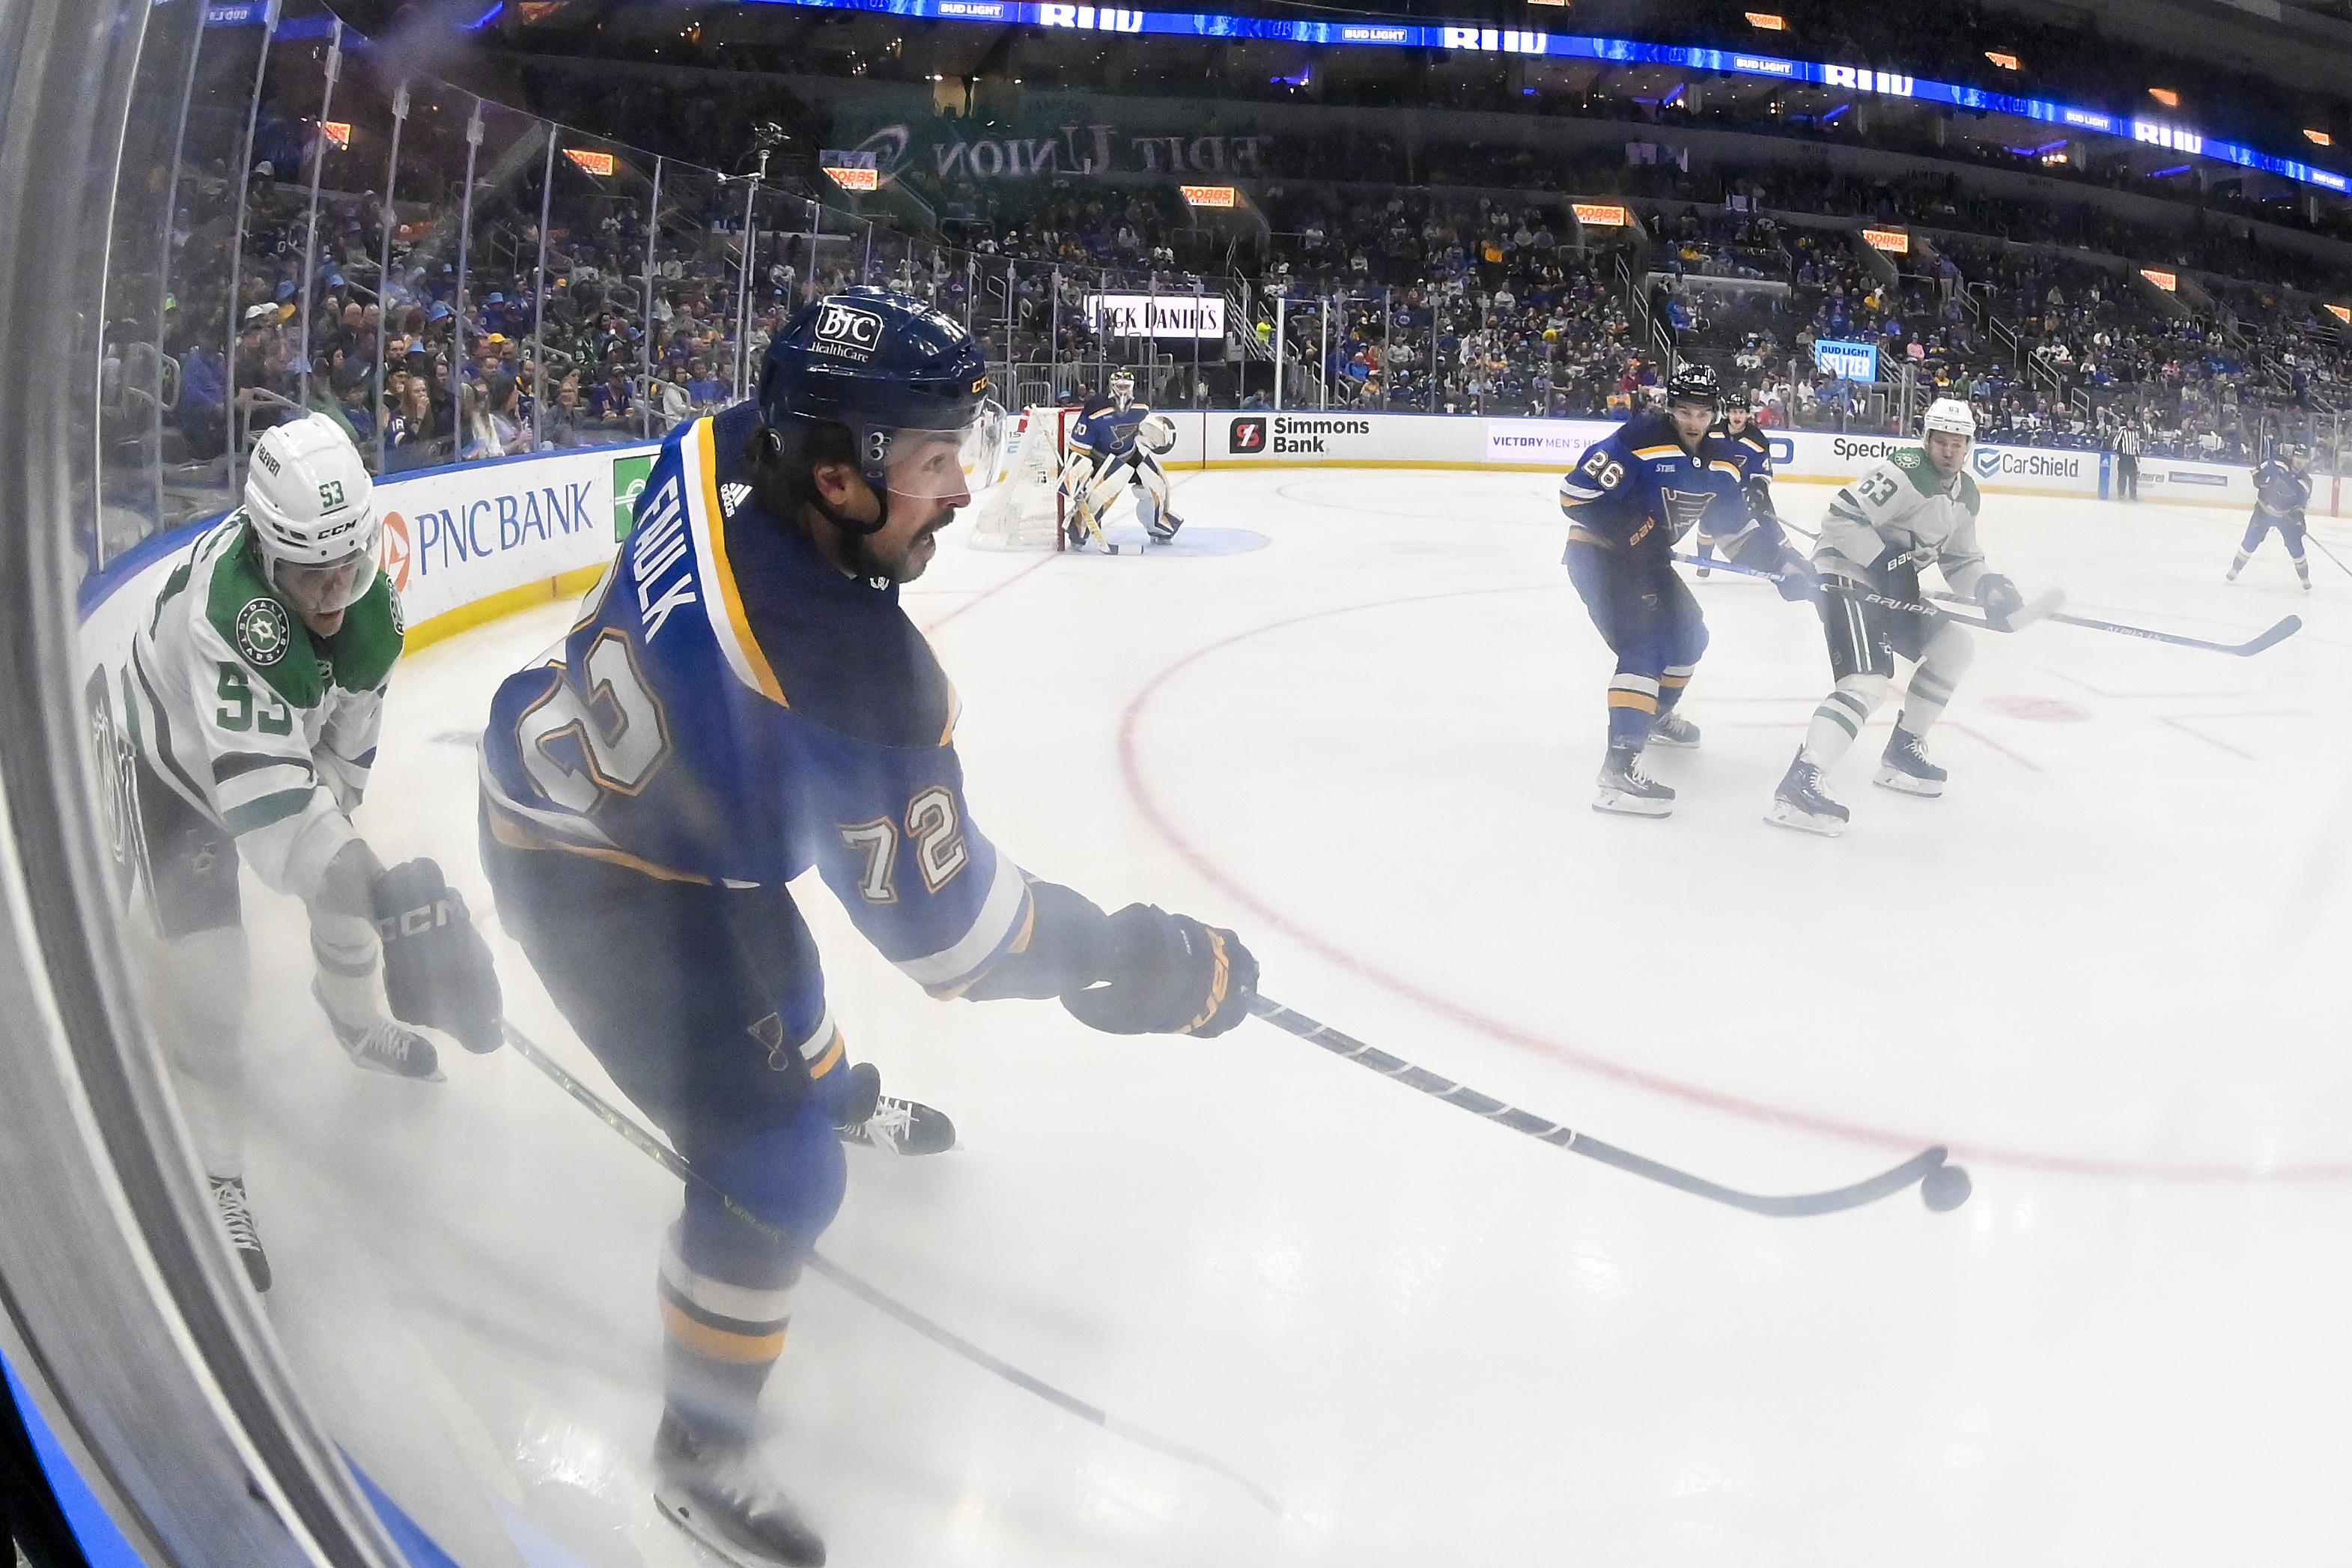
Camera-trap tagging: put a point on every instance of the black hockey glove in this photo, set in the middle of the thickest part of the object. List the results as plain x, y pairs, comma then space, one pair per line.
437, 967
1167, 975
2000, 598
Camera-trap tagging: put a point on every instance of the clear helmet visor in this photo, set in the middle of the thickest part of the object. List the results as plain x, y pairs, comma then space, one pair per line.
324, 589
937, 465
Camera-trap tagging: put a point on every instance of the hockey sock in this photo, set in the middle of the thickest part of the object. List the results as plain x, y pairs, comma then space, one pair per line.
726, 1285
1924, 702
1838, 721
348, 954
206, 974
1671, 684
1947, 658
2303, 568
1633, 709
721, 1339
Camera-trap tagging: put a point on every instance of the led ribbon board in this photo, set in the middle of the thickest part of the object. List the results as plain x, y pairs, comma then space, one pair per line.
1565, 46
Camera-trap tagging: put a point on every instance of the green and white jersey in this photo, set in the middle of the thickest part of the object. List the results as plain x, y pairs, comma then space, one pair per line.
261, 725
1900, 504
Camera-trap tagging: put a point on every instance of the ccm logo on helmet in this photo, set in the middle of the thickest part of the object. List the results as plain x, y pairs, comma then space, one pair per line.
848, 331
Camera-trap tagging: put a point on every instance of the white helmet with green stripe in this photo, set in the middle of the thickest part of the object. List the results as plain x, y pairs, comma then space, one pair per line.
312, 509
1951, 417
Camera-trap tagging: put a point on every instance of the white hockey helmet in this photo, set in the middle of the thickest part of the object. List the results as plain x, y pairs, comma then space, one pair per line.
1952, 416
314, 518
1122, 388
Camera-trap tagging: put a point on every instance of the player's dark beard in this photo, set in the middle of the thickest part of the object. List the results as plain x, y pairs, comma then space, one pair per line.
874, 565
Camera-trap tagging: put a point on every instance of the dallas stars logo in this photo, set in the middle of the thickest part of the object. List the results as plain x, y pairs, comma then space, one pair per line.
262, 632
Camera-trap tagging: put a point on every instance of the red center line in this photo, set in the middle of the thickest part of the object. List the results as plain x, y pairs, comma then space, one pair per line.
986, 594
1148, 805
2024, 762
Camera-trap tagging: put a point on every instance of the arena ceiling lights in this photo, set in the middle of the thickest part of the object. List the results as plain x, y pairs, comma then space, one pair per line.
1562, 46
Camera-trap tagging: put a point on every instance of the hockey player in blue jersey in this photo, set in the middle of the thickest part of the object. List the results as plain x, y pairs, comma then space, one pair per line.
1752, 450
2282, 492
1112, 433
741, 699
1659, 477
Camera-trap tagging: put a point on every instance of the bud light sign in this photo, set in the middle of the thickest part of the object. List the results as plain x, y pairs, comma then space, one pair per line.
1848, 361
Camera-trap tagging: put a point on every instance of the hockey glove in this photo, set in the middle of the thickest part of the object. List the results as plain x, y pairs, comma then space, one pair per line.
1167, 975
2000, 598
437, 967
1798, 578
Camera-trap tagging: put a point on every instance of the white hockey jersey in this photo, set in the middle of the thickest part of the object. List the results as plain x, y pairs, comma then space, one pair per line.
1900, 505
258, 722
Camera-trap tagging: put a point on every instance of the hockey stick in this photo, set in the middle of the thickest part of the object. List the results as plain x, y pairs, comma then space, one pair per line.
2042, 608
2252, 646
669, 1160
2323, 549
1927, 1167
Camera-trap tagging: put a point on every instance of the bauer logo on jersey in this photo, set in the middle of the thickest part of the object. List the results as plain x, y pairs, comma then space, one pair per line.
1247, 436
849, 332
262, 632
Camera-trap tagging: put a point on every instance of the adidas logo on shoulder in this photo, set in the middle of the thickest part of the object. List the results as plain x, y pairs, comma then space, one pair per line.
732, 496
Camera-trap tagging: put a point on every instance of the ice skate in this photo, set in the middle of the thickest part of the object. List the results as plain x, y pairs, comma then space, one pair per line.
1627, 791
236, 1217
1801, 803
1673, 729
1904, 765
385, 1045
711, 1489
894, 1126
1164, 528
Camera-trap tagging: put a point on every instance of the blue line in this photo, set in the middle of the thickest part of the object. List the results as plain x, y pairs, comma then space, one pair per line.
101, 1541
421, 1550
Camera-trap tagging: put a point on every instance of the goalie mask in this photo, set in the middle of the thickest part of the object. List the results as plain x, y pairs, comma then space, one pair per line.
908, 383
1122, 388
312, 511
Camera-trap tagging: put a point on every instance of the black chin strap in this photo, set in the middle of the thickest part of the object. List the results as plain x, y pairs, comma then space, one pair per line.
857, 533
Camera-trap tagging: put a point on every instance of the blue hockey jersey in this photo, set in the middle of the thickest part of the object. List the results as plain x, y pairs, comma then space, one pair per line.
731, 709
1752, 450
1638, 490
1105, 429
2280, 490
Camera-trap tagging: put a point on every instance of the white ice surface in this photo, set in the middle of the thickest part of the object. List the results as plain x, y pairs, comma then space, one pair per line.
2106, 969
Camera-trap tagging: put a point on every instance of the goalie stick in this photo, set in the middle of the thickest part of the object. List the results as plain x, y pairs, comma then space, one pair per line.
2247, 649
2041, 608
1916, 1169
669, 1160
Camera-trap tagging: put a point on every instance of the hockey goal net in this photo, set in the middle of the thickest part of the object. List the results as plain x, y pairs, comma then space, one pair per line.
1023, 508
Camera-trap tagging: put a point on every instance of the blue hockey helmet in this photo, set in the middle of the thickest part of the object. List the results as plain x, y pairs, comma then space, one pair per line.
887, 366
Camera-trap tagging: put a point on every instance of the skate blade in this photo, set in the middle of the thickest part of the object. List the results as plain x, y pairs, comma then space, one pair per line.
1902, 782
1620, 805
687, 1514
1785, 816
369, 1064
1658, 739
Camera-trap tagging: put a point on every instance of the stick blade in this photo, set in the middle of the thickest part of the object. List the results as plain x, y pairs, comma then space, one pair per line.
2271, 638
2040, 608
